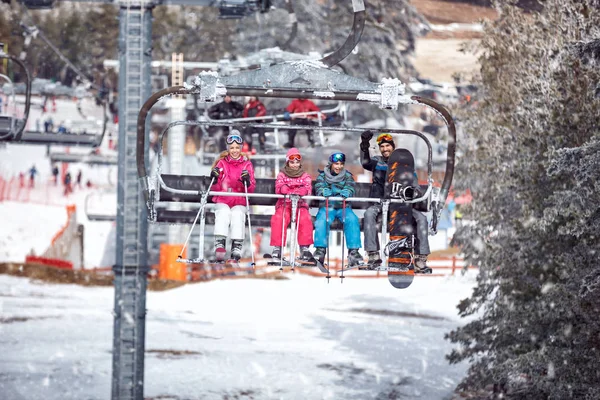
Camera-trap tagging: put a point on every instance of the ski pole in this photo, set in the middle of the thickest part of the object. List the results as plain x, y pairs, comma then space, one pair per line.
293, 230
297, 229
384, 228
249, 224
343, 236
283, 226
327, 232
200, 210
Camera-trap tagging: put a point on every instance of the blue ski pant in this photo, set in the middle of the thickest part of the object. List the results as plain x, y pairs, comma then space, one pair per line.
351, 227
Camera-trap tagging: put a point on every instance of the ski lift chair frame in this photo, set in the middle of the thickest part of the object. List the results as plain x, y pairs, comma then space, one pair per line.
191, 188
98, 217
11, 127
68, 139
89, 159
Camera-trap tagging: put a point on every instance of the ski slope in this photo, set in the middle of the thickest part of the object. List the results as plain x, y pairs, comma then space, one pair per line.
42, 218
300, 338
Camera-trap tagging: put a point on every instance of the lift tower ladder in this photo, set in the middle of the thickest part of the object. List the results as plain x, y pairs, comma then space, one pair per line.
131, 267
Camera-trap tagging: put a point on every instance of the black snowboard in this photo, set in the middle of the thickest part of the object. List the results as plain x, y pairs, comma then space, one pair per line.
400, 249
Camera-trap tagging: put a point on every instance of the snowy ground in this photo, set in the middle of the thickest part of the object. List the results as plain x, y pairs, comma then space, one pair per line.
238, 339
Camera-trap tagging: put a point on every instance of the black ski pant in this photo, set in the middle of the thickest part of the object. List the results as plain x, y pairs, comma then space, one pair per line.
309, 132
249, 130
371, 229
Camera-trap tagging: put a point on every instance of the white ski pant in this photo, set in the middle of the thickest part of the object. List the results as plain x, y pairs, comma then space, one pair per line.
226, 217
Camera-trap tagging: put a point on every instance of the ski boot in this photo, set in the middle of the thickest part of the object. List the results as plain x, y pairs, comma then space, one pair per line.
306, 258
421, 265
276, 253
236, 249
320, 255
275, 258
355, 259
220, 251
374, 261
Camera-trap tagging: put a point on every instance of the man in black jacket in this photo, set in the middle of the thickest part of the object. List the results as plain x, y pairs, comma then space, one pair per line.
378, 166
227, 109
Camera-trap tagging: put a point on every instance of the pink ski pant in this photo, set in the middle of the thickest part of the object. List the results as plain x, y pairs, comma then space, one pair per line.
305, 227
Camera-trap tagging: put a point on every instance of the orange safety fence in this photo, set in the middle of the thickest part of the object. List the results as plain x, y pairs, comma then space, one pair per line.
19, 189
49, 262
71, 209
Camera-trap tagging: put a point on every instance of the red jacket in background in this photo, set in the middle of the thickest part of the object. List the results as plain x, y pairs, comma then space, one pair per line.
254, 109
303, 105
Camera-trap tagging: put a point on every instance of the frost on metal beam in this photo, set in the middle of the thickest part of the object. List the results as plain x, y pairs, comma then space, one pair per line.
208, 87
309, 75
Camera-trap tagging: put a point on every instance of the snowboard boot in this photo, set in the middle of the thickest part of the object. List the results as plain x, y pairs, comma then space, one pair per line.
320, 254
306, 257
236, 249
355, 259
374, 260
421, 264
220, 251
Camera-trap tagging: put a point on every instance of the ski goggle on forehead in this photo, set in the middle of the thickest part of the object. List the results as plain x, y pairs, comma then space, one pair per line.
234, 139
337, 157
384, 136
295, 157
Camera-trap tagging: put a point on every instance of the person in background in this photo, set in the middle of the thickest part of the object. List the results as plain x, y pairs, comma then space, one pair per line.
68, 184
79, 173
336, 181
292, 180
301, 106
232, 172
227, 109
254, 108
55, 174
32, 173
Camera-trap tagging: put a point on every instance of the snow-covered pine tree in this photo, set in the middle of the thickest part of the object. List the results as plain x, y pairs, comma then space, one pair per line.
532, 160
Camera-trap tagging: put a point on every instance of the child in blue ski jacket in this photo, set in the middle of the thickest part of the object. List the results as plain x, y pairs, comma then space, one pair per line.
335, 181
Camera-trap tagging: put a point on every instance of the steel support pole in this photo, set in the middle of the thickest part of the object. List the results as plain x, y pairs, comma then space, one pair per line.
130, 271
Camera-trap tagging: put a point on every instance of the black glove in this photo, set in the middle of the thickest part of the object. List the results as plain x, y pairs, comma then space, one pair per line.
245, 177
364, 140
366, 136
215, 173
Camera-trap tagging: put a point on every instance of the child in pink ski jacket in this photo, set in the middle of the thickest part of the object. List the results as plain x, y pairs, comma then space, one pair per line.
231, 171
292, 180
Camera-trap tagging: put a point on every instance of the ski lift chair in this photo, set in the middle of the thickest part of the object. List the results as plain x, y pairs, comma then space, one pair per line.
300, 79
11, 127
386, 95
